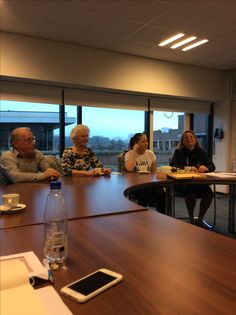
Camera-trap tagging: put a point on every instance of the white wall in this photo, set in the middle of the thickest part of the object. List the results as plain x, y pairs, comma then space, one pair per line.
32, 58
233, 137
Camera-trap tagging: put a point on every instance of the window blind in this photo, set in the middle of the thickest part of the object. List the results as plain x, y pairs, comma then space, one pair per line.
105, 99
27, 92
21, 92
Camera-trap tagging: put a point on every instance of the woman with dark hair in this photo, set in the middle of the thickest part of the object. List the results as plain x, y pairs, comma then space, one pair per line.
190, 153
140, 159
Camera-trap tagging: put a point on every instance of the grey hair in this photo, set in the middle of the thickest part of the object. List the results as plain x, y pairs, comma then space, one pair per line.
76, 130
15, 134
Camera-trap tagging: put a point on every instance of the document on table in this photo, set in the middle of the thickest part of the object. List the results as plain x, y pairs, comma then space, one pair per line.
222, 175
16, 293
185, 175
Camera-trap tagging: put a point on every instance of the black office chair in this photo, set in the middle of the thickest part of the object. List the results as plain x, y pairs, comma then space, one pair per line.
121, 162
54, 162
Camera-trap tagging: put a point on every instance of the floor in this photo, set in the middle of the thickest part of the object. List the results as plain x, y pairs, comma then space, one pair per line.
222, 202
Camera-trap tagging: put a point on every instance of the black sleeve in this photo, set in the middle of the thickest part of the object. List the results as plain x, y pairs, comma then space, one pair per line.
177, 159
207, 162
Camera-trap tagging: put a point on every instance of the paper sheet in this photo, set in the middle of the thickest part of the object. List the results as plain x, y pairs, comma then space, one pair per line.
222, 175
52, 301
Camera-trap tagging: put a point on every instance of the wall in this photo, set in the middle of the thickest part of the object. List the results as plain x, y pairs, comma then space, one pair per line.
233, 138
28, 57
33, 58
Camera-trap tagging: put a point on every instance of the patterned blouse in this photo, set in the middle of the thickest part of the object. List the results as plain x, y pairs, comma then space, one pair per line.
72, 160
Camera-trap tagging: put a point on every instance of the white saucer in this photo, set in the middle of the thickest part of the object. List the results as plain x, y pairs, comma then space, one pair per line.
144, 172
6, 210
101, 174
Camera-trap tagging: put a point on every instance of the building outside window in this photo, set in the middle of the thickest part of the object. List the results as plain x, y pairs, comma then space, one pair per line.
200, 127
41, 118
168, 127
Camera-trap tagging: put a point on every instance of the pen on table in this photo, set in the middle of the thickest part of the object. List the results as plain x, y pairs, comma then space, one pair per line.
50, 276
50, 272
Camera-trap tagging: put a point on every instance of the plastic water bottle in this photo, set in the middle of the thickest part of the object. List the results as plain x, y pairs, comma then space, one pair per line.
55, 226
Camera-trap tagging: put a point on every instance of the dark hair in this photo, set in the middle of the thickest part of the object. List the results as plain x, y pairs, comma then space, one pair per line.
181, 143
135, 139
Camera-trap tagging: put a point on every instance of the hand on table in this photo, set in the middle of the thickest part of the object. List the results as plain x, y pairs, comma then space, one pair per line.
202, 169
107, 171
52, 174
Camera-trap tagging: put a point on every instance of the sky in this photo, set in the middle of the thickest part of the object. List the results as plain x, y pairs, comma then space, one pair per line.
105, 122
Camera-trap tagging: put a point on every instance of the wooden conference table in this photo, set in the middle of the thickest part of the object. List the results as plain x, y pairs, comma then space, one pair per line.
84, 197
169, 267
93, 196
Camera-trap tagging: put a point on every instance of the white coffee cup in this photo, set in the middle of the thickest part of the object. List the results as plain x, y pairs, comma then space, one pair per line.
99, 169
10, 200
188, 168
166, 169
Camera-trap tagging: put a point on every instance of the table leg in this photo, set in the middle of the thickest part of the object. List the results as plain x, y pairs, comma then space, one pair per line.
232, 196
170, 201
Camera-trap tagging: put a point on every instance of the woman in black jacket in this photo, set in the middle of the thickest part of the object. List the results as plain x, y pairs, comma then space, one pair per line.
190, 153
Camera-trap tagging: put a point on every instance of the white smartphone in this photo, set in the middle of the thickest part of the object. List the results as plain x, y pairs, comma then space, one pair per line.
87, 287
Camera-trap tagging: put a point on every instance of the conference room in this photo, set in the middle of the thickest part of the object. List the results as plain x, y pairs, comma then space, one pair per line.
100, 63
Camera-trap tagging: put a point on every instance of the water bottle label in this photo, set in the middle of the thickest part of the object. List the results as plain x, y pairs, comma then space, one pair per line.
58, 241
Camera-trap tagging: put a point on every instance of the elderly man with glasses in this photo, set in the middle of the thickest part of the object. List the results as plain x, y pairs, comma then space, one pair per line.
24, 163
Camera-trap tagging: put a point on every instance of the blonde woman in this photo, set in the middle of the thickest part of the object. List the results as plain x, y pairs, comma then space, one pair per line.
80, 160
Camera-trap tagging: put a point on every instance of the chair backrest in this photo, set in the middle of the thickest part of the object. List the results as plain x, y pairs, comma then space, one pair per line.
54, 162
121, 162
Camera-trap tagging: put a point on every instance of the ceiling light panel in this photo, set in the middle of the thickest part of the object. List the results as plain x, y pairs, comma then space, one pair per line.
171, 39
200, 42
183, 42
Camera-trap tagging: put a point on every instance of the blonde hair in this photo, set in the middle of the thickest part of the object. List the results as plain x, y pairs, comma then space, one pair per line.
76, 130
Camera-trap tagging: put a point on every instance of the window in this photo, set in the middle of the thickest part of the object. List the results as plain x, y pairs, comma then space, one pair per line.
111, 130
168, 127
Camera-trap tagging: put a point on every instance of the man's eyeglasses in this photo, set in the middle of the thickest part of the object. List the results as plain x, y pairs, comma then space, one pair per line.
27, 140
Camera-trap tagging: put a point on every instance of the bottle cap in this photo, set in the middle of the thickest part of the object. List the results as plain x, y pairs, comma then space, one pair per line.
55, 185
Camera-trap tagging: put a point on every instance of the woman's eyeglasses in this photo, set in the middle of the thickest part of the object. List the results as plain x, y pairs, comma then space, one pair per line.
188, 137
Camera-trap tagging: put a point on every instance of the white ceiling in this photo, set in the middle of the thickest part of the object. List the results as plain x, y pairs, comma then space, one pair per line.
131, 26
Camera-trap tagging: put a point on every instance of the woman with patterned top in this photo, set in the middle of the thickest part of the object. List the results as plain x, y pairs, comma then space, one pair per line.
79, 159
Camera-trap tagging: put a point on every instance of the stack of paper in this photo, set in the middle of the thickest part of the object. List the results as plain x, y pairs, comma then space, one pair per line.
17, 296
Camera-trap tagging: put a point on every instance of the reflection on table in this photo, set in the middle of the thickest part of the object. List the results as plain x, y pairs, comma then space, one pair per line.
169, 267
